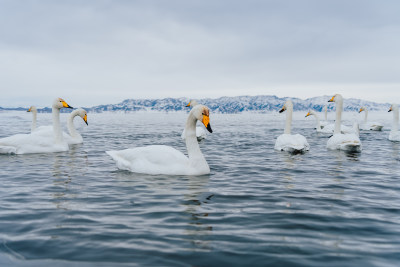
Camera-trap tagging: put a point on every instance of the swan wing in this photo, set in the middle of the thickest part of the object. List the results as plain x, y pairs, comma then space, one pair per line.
291, 143
156, 159
30, 143
346, 142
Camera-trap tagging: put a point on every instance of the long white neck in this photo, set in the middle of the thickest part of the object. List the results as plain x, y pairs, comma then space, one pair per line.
58, 138
70, 124
326, 113
318, 122
366, 115
34, 117
288, 125
196, 158
339, 109
395, 125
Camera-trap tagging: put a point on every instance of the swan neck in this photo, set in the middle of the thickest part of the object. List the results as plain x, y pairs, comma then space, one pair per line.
366, 115
326, 113
34, 118
395, 126
339, 109
70, 124
196, 158
288, 124
58, 138
318, 121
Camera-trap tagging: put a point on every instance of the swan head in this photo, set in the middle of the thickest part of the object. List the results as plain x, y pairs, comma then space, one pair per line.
288, 104
83, 114
59, 103
361, 109
32, 109
393, 107
310, 112
202, 113
335, 97
192, 103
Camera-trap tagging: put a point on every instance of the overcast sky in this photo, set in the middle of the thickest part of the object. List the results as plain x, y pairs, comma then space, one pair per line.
101, 52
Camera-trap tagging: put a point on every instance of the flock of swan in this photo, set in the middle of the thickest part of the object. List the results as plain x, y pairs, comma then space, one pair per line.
161, 159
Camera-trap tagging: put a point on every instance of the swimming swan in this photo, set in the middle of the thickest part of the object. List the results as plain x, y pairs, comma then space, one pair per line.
369, 126
394, 133
288, 142
34, 117
343, 141
320, 129
201, 132
160, 159
35, 143
74, 136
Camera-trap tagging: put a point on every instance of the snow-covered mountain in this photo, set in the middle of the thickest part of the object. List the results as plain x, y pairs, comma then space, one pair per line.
235, 104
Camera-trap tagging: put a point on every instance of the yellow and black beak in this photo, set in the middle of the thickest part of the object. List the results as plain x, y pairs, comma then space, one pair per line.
85, 119
188, 105
390, 109
206, 122
65, 105
332, 99
29, 110
361, 110
308, 114
282, 110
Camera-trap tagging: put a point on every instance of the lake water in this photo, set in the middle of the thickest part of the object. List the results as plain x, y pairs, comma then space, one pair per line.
258, 206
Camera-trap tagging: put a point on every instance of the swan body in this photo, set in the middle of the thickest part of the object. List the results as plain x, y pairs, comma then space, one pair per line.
35, 142
201, 132
394, 134
160, 159
292, 143
74, 137
343, 141
369, 126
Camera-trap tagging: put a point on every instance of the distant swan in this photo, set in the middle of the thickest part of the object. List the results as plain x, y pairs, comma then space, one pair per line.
201, 132
160, 159
34, 117
288, 142
394, 133
325, 122
320, 129
369, 126
339, 141
35, 143
74, 136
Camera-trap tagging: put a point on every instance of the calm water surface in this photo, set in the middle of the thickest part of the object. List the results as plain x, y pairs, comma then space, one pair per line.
257, 207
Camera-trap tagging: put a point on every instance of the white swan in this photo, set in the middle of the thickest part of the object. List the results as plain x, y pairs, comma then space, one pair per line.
369, 126
34, 142
325, 122
320, 129
160, 159
343, 141
34, 117
288, 142
74, 136
394, 133
201, 132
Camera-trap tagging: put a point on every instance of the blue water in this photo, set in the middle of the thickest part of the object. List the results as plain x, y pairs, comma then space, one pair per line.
258, 207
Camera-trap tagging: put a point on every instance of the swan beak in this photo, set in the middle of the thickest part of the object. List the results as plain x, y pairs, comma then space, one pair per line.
206, 122
332, 99
188, 105
308, 114
390, 109
85, 119
29, 110
361, 109
65, 105
282, 110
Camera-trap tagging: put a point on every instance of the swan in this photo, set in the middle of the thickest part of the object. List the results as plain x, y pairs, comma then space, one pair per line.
201, 132
34, 117
319, 127
325, 122
36, 143
369, 126
343, 141
160, 159
74, 136
394, 133
288, 142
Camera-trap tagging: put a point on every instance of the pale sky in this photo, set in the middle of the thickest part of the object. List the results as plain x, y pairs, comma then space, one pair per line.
102, 52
